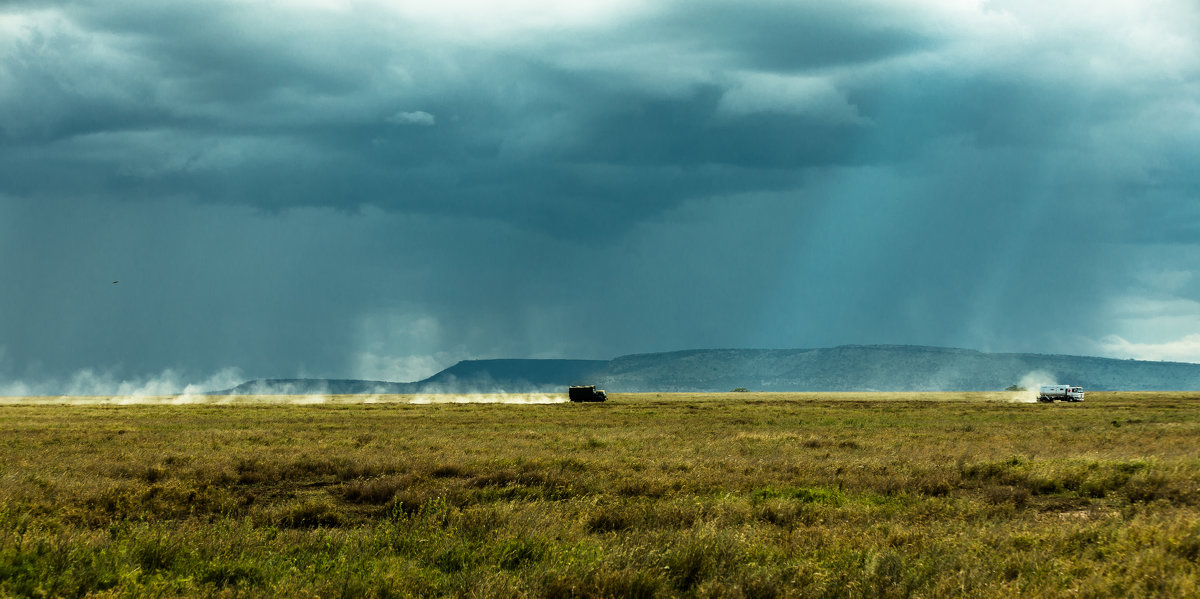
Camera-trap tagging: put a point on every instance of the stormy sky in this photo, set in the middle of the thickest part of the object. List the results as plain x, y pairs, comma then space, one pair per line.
376, 190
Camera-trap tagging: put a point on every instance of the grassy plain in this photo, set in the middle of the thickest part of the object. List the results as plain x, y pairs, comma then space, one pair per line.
739, 495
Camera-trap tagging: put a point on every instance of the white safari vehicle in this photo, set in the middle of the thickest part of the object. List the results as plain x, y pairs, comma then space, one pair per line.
1049, 393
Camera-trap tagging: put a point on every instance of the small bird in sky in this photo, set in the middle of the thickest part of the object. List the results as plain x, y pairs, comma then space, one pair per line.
115, 282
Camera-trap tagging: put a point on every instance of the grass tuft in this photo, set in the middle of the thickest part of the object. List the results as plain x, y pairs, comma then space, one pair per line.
310, 514
376, 491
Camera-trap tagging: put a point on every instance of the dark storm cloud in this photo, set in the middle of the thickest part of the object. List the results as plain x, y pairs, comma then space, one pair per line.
787, 36
201, 82
377, 190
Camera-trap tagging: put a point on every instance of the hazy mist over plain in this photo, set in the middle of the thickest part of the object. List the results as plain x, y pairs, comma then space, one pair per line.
197, 193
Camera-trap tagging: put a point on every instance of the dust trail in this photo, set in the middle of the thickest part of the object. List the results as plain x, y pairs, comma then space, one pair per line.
507, 398
311, 399
1031, 382
92, 383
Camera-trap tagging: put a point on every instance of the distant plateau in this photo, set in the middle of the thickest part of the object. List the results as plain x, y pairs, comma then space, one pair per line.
843, 368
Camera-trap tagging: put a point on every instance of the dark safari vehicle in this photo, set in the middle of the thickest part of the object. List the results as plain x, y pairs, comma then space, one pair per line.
586, 393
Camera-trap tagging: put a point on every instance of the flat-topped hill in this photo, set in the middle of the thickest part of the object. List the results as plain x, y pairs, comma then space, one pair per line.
843, 368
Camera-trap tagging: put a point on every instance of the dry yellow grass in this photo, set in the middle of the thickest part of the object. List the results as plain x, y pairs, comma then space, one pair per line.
746, 494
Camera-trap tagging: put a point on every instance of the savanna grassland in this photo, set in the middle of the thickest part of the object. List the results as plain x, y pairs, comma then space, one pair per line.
739, 495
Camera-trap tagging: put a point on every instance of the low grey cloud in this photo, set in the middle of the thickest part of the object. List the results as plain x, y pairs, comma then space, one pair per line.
416, 117
379, 189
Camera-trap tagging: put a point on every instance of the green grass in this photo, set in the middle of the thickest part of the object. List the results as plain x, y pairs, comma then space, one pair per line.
653, 495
